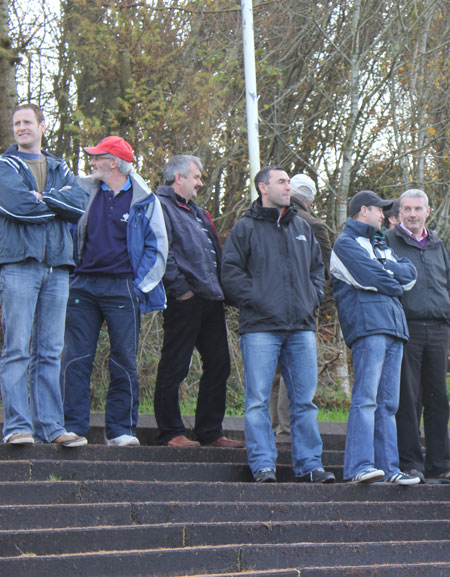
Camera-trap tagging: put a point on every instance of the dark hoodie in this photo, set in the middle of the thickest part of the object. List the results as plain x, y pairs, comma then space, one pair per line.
272, 269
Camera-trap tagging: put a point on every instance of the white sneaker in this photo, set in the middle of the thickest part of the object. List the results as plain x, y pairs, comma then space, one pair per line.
123, 441
403, 479
368, 475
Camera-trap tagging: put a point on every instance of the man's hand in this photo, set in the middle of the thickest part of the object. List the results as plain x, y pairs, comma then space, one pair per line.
38, 195
186, 296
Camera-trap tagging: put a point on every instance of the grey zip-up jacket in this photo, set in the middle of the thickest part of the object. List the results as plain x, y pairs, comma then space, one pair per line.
430, 298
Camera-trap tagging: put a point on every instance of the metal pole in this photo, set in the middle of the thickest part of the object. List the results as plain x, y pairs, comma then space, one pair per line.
251, 94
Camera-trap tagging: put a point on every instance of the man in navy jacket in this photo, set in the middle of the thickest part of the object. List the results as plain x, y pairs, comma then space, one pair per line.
39, 197
195, 314
368, 279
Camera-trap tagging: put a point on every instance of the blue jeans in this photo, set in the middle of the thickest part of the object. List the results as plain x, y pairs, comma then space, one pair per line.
297, 353
33, 299
371, 428
93, 300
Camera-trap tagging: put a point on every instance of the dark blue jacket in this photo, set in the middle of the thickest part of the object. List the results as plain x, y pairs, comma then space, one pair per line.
273, 270
368, 279
146, 242
190, 265
35, 229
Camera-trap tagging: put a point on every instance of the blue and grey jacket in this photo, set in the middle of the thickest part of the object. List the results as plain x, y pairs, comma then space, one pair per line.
30, 228
368, 279
146, 241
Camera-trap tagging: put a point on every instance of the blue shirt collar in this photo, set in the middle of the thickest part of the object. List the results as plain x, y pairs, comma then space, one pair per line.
126, 186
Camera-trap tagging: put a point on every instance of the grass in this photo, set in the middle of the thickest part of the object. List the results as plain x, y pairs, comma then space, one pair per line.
333, 405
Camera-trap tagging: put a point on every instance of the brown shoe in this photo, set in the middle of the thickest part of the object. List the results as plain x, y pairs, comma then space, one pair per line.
20, 439
182, 441
225, 443
70, 440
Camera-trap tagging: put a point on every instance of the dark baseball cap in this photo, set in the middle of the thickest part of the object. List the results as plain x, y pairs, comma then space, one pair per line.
367, 198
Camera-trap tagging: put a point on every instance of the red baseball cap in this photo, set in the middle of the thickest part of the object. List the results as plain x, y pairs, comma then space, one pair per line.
114, 145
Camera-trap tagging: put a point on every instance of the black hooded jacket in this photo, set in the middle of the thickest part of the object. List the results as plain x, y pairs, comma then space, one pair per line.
272, 269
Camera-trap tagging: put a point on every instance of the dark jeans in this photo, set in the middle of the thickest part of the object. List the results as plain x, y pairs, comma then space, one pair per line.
424, 365
91, 301
199, 323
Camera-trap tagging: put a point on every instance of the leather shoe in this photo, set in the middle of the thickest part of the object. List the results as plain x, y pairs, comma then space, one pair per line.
318, 476
225, 443
182, 441
442, 479
416, 473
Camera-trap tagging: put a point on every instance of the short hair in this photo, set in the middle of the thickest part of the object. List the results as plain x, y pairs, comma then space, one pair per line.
180, 164
414, 193
123, 166
264, 176
30, 106
393, 211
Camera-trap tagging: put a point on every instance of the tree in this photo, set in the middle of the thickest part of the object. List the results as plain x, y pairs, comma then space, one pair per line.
8, 94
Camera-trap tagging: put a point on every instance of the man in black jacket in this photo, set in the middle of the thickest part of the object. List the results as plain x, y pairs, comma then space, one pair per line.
424, 367
272, 270
195, 315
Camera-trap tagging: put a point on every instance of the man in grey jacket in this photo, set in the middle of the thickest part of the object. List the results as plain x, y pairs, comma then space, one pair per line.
424, 367
272, 270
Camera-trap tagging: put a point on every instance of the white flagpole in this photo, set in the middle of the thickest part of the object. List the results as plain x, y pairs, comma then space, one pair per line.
251, 94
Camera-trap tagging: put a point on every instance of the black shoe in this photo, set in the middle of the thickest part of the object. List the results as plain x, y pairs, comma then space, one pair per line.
416, 473
442, 479
267, 476
318, 476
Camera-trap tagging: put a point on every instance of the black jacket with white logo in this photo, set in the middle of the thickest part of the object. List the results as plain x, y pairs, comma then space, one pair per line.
272, 269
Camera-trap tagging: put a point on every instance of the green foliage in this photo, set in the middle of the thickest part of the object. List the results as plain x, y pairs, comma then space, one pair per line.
329, 396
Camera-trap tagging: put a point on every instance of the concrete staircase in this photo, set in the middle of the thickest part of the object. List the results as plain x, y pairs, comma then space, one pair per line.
102, 511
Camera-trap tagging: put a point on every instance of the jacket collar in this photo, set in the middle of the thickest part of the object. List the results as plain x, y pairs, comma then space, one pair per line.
358, 228
260, 212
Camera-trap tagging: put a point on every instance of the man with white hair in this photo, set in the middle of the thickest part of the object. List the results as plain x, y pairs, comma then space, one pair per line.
424, 367
303, 192
122, 254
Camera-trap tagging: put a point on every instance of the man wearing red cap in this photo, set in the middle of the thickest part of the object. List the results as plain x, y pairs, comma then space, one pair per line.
39, 197
122, 253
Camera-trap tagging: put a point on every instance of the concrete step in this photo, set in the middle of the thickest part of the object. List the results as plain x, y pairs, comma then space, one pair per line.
101, 511
211, 560
392, 570
333, 434
60, 492
147, 454
176, 535
43, 470
18, 517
